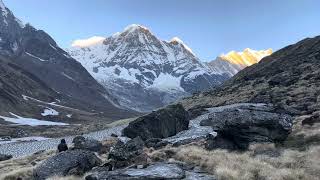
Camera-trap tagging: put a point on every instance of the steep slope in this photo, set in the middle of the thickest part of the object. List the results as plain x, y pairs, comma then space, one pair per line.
289, 79
37, 53
16, 82
233, 62
142, 71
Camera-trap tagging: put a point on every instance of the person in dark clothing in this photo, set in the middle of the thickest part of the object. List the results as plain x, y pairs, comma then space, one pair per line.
62, 146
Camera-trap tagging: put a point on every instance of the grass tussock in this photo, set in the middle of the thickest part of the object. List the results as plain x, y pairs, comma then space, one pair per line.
22, 167
23, 173
290, 165
303, 136
120, 122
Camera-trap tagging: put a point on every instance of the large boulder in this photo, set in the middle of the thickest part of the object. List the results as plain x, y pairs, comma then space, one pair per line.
237, 127
4, 157
73, 162
155, 171
89, 144
129, 153
159, 124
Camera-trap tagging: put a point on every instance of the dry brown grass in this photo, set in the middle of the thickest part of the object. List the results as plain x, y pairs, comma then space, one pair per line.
121, 122
303, 136
23, 173
291, 165
22, 167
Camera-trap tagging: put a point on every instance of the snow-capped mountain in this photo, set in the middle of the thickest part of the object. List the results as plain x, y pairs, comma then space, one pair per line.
142, 71
49, 68
232, 62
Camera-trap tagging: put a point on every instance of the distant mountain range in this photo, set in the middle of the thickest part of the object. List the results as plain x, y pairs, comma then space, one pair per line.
233, 62
144, 73
131, 70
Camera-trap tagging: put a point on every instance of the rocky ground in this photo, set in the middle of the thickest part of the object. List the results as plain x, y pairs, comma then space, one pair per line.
27, 148
195, 153
194, 131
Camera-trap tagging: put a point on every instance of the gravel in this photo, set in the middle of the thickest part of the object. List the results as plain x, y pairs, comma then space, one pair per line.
27, 148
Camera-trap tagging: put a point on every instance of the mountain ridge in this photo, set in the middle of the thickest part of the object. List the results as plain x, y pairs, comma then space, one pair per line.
38, 54
137, 59
288, 79
233, 62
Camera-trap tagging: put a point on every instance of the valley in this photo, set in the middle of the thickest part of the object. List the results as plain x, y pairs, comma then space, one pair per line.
134, 106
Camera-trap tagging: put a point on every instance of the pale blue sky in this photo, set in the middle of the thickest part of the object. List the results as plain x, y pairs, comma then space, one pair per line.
209, 27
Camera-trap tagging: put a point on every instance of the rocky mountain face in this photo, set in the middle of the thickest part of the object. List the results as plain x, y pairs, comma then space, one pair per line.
50, 74
289, 79
142, 71
233, 62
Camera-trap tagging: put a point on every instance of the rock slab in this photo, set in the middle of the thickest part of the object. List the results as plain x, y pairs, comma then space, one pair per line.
237, 127
73, 162
159, 124
155, 171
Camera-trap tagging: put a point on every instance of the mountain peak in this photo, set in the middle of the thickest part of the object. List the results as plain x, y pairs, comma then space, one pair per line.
3, 8
81, 43
134, 27
7, 17
247, 57
176, 41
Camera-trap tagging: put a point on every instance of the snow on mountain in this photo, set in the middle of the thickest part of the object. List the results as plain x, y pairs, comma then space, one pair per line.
247, 57
233, 62
7, 15
142, 71
45, 71
3, 9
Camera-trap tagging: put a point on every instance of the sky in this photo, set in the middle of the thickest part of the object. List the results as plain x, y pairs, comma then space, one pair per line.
208, 27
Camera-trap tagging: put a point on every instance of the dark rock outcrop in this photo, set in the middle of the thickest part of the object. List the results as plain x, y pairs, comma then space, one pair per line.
4, 157
159, 124
126, 154
219, 142
89, 144
75, 162
315, 118
156, 143
155, 171
237, 127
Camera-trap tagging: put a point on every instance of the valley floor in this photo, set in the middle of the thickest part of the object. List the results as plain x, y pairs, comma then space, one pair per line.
295, 159
19, 149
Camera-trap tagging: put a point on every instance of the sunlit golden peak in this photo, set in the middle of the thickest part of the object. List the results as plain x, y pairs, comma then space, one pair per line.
247, 57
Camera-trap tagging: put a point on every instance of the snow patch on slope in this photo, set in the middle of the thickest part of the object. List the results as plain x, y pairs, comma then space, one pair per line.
49, 112
36, 57
167, 82
30, 121
67, 76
